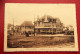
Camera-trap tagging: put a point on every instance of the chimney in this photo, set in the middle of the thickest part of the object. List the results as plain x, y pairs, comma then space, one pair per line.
46, 20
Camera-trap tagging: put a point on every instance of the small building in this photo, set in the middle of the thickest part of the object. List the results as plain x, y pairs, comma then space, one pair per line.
10, 29
48, 25
26, 26
69, 30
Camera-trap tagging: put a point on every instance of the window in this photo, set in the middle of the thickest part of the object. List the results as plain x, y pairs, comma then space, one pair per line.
54, 20
49, 19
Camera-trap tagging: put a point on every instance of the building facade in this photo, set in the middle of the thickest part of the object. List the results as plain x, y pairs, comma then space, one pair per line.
48, 25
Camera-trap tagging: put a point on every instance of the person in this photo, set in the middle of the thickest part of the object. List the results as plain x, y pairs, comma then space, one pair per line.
27, 34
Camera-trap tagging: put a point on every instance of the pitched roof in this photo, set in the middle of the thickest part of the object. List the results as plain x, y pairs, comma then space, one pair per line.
45, 18
9, 25
27, 23
48, 16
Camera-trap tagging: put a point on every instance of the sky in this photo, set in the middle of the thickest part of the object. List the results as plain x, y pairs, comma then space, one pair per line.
28, 11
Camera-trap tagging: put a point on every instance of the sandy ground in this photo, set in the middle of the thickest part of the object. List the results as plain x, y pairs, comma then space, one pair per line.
50, 35
65, 45
21, 41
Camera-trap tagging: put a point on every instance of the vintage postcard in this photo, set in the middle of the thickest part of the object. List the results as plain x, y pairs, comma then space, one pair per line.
40, 27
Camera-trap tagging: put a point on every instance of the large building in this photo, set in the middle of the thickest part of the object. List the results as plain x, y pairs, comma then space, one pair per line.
48, 25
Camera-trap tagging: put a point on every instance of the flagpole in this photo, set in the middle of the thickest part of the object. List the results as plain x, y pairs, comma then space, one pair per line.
34, 25
13, 26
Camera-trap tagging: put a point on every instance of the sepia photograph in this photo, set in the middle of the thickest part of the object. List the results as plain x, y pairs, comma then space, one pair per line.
40, 27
